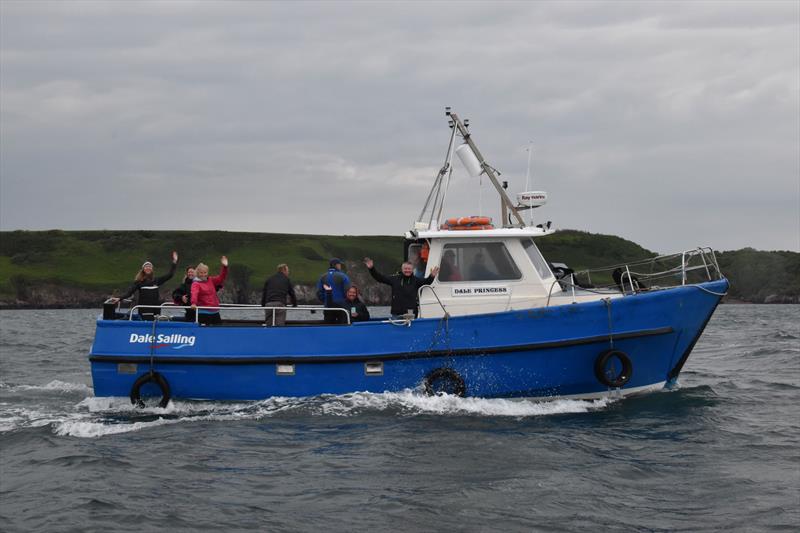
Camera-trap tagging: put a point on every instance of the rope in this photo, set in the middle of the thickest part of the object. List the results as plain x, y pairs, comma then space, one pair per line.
153, 343
443, 328
607, 301
400, 322
720, 294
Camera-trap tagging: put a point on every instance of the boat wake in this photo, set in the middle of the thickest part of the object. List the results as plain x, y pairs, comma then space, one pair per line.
93, 417
55, 385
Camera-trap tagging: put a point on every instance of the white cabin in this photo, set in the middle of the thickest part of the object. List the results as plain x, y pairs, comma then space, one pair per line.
483, 271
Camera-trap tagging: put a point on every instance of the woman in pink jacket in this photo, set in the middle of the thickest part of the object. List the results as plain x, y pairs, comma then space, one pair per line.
204, 292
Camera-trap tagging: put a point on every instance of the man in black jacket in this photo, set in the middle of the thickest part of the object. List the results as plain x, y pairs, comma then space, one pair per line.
276, 289
404, 287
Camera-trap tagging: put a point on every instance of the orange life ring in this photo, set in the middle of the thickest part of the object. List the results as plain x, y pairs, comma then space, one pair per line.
469, 221
465, 228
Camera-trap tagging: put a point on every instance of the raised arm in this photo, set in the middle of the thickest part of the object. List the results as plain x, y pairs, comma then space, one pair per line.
429, 279
377, 276
160, 281
223, 273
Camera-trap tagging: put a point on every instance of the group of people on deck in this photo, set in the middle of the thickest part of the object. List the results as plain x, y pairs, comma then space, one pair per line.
198, 291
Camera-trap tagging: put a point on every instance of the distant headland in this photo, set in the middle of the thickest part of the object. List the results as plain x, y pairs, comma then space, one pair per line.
79, 269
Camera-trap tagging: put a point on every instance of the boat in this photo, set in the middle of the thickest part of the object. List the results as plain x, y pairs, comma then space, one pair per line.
498, 321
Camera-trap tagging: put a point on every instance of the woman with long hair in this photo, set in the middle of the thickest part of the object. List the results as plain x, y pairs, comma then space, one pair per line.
352, 302
145, 286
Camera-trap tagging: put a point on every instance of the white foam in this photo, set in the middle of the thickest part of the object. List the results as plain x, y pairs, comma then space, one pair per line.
17, 418
88, 420
84, 428
446, 404
55, 385
91, 429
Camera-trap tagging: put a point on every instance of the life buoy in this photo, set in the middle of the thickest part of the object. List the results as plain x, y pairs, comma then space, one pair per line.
462, 228
158, 379
469, 221
444, 381
605, 375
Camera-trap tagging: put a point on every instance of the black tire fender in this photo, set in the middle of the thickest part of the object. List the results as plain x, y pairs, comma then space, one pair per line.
158, 379
448, 377
600, 368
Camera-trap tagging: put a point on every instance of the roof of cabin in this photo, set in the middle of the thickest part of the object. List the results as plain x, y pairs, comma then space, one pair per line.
485, 233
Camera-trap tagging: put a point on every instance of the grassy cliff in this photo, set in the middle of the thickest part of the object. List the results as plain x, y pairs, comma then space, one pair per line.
78, 268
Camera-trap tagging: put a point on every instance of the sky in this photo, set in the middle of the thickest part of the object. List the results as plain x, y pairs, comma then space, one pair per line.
672, 124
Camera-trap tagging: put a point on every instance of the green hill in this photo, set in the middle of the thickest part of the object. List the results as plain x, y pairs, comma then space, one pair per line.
762, 277
79, 268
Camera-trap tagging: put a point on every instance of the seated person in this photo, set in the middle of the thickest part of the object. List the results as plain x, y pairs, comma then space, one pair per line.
448, 271
478, 271
352, 302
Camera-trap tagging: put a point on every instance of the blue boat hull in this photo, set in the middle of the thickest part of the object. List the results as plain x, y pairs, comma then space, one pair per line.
546, 352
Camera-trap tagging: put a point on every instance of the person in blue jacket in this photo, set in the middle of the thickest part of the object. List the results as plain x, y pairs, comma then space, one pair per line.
338, 282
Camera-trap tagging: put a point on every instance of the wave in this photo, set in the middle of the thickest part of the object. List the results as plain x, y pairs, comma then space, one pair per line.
112, 416
55, 385
412, 403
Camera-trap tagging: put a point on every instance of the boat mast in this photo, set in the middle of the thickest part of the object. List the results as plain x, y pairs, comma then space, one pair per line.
505, 202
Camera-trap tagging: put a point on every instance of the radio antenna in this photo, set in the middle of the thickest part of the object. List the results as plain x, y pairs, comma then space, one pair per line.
528, 178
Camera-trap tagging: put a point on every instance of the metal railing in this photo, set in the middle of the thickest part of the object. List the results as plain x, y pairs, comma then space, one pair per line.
167, 306
660, 272
656, 273
433, 290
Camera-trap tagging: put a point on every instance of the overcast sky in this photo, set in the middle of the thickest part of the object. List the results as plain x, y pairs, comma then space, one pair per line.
671, 124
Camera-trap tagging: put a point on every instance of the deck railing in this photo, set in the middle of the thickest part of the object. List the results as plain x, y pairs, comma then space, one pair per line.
663, 271
164, 311
659, 272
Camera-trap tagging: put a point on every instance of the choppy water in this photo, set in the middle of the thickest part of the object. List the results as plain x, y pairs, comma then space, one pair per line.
720, 452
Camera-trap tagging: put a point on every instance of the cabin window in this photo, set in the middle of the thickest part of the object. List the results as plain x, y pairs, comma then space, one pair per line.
536, 258
477, 262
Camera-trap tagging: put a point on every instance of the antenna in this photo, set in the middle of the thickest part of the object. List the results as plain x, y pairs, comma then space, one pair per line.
528, 178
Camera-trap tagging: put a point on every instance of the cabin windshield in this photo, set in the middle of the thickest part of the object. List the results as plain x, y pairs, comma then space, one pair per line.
477, 262
536, 258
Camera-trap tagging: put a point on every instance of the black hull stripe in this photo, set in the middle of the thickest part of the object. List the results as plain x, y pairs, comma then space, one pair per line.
250, 360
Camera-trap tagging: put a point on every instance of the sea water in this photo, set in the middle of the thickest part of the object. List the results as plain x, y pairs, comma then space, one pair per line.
719, 451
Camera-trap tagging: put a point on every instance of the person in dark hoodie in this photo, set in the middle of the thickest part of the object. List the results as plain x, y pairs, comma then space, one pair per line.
146, 285
277, 289
352, 304
183, 294
404, 287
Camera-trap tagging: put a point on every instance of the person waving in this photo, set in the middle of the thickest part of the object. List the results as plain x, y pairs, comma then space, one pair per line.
204, 292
